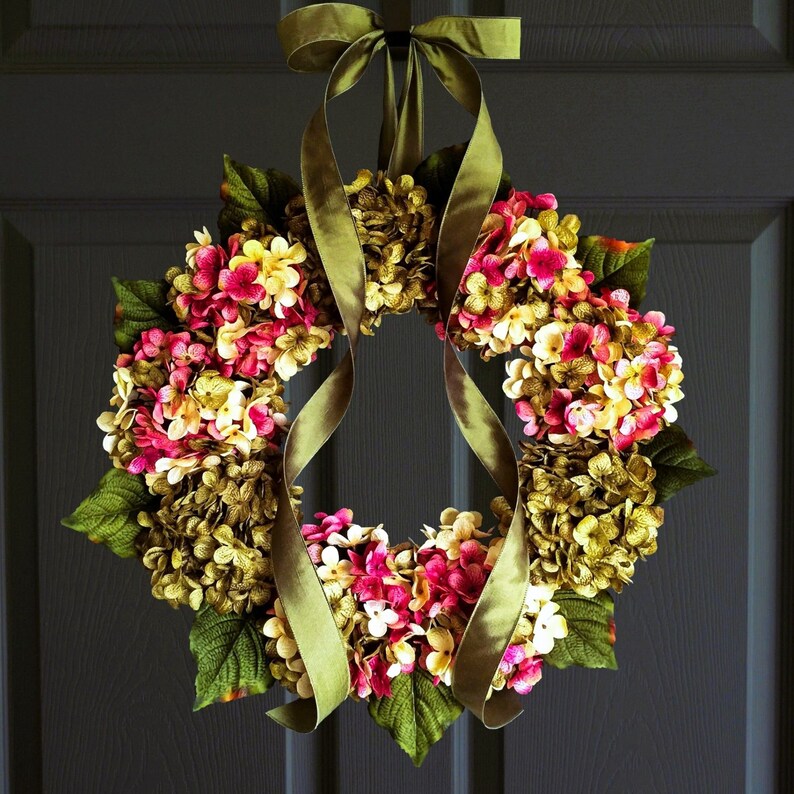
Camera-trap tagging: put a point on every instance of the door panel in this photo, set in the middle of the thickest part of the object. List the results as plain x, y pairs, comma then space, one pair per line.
221, 36
647, 119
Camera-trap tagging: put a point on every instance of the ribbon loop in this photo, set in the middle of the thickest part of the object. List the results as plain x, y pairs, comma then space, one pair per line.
344, 38
320, 643
314, 38
494, 38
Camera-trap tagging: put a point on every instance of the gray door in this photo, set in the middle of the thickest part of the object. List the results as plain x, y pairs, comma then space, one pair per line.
670, 119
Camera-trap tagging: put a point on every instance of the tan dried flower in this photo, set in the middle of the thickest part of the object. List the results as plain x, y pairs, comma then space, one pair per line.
590, 514
209, 540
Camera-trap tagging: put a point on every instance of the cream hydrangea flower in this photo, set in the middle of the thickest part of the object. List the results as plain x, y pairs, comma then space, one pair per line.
203, 239
402, 653
226, 337
516, 325
612, 411
278, 629
569, 280
526, 231
185, 416
439, 660
356, 535
303, 685
549, 626
106, 422
549, 342
232, 411
295, 348
672, 392
333, 569
282, 253
240, 439
279, 284
124, 391
518, 370
380, 617
456, 528
114, 423
537, 595
177, 468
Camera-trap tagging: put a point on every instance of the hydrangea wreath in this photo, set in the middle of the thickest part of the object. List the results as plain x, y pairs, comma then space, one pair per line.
198, 420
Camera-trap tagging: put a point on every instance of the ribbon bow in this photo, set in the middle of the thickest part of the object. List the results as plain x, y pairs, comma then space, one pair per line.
343, 39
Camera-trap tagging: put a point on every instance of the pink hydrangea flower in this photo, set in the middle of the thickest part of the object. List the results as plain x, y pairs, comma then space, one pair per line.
600, 343
329, 523
639, 425
467, 583
555, 413
518, 202
224, 308
152, 346
529, 672
471, 553
184, 351
526, 413
209, 261
145, 462
489, 265
577, 341
241, 284
640, 375
543, 262
369, 676
657, 319
370, 562
580, 417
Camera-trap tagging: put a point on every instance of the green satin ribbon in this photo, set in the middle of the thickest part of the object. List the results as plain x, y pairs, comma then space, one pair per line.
343, 39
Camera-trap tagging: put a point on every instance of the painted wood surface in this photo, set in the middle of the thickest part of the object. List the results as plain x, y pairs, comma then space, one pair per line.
241, 35
116, 116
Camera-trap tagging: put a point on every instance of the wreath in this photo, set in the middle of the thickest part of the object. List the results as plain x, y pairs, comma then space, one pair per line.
202, 489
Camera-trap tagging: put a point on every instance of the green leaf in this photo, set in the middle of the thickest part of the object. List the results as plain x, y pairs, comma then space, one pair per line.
590, 632
676, 462
617, 264
109, 514
249, 192
417, 713
230, 657
142, 305
437, 174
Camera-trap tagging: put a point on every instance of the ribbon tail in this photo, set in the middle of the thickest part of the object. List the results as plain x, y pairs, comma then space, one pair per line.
388, 127
409, 139
501, 603
320, 643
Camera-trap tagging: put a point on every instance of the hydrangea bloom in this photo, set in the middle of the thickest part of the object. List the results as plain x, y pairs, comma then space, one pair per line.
399, 609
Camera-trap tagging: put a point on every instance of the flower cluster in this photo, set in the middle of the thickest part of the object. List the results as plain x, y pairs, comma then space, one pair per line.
408, 605
590, 515
175, 411
249, 295
397, 230
208, 540
590, 365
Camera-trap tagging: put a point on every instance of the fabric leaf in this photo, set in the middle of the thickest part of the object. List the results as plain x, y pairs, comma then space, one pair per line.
249, 192
437, 174
141, 305
230, 657
617, 264
109, 514
417, 713
591, 634
676, 461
